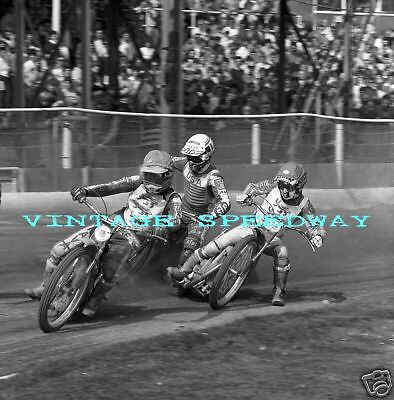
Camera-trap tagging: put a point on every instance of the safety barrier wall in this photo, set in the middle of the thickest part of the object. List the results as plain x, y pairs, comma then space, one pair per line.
321, 176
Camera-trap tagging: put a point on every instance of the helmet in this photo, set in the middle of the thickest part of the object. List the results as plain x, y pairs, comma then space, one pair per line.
198, 150
157, 171
291, 178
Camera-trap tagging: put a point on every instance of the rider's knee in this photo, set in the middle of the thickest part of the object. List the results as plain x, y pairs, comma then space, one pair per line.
209, 250
191, 243
59, 250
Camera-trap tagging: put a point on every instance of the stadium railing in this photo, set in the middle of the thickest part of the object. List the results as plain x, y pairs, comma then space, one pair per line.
64, 138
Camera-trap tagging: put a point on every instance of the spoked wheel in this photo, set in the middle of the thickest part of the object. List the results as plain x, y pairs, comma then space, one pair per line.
66, 289
233, 272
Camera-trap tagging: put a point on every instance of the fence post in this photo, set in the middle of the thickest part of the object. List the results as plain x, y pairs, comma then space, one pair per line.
255, 149
339, 153
85, 175
318, 121
55, 165
66, 146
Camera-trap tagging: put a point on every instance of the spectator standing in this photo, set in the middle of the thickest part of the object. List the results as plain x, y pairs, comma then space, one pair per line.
147, 52
126, 47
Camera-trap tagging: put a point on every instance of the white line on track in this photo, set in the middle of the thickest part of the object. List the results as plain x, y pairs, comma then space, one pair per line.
4, 377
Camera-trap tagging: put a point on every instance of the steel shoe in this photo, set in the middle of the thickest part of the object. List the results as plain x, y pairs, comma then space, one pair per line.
36, 293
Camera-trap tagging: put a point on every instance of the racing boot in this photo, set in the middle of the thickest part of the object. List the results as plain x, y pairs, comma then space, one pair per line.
175, 274
97, 296
36, 293
280, 281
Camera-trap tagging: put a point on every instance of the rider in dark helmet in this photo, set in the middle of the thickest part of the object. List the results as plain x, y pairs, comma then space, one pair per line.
150, 193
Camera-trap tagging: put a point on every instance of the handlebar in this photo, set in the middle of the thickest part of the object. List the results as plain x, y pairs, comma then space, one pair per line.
190, 215
126, 228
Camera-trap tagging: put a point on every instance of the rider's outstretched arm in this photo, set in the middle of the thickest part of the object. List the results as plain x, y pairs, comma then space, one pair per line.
316, 229
261, 188
123, 185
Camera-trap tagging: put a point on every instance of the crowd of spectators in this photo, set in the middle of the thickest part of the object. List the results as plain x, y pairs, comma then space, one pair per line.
230, 65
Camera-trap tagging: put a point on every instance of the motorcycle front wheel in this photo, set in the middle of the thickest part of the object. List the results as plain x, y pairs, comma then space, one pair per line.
66, 289
233, 272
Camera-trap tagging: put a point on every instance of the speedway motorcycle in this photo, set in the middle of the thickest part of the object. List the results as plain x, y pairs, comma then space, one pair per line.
199, 280
243, 257
76, 276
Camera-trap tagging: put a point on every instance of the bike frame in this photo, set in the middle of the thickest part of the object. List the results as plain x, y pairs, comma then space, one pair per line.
101, 245
216, 266
205, 275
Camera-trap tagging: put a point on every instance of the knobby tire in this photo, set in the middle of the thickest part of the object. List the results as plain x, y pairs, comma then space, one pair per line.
239, 258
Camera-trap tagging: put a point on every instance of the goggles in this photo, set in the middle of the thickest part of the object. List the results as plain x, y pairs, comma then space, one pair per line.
154, 178
287, 186
195, 159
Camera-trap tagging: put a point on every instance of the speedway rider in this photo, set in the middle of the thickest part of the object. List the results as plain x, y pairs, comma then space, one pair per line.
204, 192
151, 193
285, 197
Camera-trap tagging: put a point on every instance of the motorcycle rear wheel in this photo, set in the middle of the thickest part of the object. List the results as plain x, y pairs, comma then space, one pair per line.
66, 289
233, 272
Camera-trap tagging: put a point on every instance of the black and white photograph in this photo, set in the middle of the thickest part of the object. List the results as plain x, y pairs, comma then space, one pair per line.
196, 199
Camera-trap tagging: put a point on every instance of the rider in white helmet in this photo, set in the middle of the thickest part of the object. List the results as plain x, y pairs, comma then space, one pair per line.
284, 194
204, 193
150, 193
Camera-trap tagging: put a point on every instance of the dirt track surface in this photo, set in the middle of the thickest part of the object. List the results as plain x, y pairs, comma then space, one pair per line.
354, 265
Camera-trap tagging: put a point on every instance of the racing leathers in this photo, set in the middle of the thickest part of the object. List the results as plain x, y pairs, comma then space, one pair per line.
274, 206
204, 192
142, 204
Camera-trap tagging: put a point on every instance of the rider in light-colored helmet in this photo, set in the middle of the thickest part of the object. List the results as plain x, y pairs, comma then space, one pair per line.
291, 178
204, 193
198, 151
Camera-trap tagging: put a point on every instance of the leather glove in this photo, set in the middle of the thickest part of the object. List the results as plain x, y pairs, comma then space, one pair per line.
78, 194
317, 241
219, 209
244, 199
215, 215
